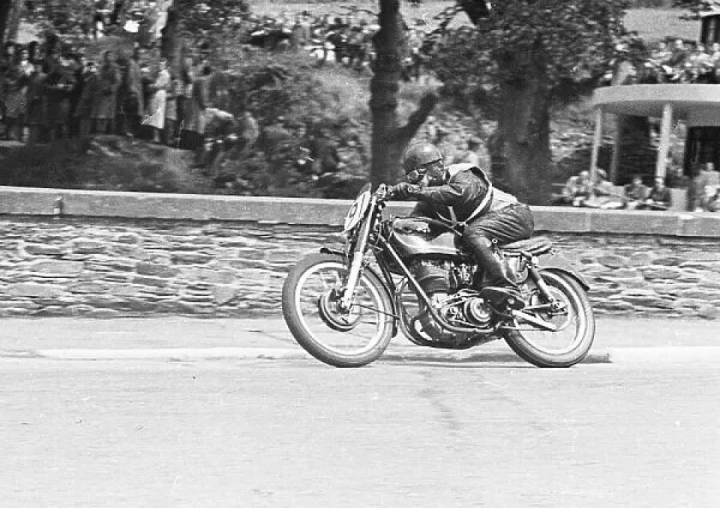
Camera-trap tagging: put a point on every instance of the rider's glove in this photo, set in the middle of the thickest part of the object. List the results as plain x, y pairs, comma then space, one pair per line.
403, 190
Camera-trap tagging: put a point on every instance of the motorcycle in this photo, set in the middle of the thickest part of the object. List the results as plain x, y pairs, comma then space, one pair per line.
344, 306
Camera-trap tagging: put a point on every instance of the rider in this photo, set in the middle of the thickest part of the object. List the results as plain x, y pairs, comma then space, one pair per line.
464, 193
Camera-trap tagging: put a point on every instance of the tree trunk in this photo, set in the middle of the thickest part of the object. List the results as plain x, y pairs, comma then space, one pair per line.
522, 141
171, 41
389, 139
10, 12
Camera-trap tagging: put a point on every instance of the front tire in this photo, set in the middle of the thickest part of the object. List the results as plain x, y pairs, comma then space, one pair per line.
350, 339
576, 325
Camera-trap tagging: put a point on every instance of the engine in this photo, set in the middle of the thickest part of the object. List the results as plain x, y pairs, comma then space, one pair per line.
449, 286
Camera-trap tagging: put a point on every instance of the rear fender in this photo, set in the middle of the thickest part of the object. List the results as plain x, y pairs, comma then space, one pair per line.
563, 265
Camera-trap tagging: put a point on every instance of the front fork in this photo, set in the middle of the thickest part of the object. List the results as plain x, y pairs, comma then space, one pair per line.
356, 264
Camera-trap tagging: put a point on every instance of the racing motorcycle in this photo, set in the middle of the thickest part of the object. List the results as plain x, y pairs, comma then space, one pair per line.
344, 306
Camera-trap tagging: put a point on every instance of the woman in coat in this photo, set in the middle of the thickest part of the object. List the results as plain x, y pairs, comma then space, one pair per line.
105, 98
155, 114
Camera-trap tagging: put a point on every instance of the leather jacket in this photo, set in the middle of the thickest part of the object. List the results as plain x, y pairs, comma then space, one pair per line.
464, 190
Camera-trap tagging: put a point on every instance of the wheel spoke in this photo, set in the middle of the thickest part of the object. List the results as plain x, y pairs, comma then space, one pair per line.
353, 332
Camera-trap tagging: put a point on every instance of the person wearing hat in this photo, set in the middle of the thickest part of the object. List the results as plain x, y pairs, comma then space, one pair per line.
464, 195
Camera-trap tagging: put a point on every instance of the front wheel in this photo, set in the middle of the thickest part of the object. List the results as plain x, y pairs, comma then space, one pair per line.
352, 338
571, 314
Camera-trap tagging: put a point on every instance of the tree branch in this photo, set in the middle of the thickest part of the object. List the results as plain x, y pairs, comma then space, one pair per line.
405, 133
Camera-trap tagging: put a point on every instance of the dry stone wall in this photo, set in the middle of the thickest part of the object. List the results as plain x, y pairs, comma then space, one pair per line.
107, 255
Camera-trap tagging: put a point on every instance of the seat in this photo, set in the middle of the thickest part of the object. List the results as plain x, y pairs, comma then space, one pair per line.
534, 246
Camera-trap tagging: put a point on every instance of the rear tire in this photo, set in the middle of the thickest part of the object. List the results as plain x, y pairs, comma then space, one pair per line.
308, 308
579, 323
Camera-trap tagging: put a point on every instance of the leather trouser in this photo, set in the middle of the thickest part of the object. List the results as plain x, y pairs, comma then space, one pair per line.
481, 247
506, 225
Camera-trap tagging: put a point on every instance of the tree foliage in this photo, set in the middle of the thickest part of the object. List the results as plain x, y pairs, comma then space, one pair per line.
73, 17
569, 42
697, 6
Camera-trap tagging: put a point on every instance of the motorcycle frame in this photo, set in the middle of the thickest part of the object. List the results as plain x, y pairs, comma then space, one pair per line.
356, 260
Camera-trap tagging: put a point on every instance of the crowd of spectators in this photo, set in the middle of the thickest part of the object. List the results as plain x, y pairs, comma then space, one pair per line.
344, 38
581, 191
676, 61
703, 192
50, 91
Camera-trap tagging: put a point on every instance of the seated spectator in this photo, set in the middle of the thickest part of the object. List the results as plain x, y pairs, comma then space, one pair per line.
635, 193
659, 197
603, 195
710, 202
576, 190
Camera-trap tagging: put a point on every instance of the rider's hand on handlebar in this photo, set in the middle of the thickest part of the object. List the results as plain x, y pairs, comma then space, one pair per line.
403, 190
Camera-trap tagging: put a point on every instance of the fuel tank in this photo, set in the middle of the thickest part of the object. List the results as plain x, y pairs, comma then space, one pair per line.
417, 235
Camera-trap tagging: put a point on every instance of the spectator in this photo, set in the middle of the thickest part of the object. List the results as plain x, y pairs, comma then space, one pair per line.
635, 193
105, 97
175, 90
16, 83
79, 75
37, 100
83, 111
603, 195
7, 61
659, 198
711, 199
155, 114
133, 99
576, 190
191, 136
59, 83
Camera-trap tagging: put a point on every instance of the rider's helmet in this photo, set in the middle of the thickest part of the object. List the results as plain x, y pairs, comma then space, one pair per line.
420, 154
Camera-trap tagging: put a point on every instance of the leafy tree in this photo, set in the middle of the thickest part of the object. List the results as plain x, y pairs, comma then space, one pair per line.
517, 57
202, 25
10, 11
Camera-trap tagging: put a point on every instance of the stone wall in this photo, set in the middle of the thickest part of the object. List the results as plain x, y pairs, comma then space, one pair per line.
114, 254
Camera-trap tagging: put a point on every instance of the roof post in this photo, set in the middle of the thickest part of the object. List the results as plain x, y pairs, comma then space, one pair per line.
597, 141
661, 162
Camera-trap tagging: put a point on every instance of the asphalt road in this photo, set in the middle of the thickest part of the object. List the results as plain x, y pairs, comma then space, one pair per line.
296, 433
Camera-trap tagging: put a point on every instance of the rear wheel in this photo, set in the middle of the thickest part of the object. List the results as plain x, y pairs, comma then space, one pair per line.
571, 315
353, 338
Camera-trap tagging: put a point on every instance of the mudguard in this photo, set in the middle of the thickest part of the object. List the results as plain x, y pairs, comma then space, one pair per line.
564, 265
338, 252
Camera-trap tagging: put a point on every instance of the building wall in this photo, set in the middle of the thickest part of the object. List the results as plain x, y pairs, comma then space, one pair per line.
97, 254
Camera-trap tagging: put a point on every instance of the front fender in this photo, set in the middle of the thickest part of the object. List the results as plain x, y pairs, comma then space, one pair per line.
338, 252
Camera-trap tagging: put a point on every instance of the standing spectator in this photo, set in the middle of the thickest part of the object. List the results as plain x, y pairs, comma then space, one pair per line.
59, 83
659, 198
191, 137
155, 114
84, 109
79, 75
134, 103
36, 117
105, 98
635, 193
175, 90
184, 97
7, 61
16, 83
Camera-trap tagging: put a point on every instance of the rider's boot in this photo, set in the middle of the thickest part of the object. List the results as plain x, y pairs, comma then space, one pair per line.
498, 289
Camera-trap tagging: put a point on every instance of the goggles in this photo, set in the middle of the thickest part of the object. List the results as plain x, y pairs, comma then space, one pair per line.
417, 174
